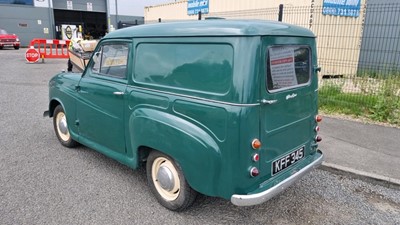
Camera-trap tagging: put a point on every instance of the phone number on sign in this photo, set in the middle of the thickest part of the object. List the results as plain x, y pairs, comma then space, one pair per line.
340, 12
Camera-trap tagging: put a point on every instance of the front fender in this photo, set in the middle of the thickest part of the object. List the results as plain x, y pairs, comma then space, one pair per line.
191, 147
62, 91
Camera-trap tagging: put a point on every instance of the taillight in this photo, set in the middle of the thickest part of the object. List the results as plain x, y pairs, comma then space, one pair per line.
254, 172
256, 144
256, 157
316, 128
318, 118
318, 138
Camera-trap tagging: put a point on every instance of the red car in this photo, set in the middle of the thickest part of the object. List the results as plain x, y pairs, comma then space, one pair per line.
8, 40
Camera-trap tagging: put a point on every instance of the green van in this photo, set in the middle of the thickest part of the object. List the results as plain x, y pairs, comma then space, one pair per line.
224, 108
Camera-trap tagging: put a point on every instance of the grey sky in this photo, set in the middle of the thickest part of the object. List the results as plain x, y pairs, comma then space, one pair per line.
134, 7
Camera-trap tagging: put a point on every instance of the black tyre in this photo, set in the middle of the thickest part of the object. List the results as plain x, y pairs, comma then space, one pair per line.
61, 128
168, 183
16, 47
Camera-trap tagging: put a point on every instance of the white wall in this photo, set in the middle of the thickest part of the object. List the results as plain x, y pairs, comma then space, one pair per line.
338, 38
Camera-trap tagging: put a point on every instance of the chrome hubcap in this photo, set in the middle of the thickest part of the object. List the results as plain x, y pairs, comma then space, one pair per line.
62, 125
165, 178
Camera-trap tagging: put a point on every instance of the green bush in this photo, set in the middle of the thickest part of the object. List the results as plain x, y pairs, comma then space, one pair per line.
387, 106
378, 98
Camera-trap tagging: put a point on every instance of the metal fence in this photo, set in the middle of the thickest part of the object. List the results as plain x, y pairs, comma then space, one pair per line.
359, 56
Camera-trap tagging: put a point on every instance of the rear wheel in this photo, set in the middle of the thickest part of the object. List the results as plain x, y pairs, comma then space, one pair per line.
167, 182
16, 47
61, 128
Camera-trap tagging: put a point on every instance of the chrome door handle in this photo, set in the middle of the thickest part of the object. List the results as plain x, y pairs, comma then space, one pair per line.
118, 93
270, 102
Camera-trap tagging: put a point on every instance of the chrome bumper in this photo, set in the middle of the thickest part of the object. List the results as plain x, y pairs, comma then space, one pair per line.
255, 199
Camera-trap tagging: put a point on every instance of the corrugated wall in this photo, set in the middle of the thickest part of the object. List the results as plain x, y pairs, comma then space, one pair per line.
82, 5
27, 22
380, 48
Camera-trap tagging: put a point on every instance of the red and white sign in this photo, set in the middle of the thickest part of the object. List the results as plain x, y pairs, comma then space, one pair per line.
282, 67
32, 55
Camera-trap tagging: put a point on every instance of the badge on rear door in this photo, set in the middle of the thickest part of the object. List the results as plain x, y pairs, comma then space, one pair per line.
286, 161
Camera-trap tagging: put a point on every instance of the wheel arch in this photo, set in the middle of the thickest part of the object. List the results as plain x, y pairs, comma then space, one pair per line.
192, 148
72, 129
52, 106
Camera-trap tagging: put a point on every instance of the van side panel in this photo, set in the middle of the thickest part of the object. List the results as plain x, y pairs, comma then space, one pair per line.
200, 130
189, 145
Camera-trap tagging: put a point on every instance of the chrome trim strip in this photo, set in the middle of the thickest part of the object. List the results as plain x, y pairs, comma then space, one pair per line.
255, 199
118, 93
265, 101
193, 97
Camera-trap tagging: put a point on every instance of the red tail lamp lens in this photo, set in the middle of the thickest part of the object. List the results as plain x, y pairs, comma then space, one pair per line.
256, 144
318, 138
318, 118
256, 157
254, 172
316, 128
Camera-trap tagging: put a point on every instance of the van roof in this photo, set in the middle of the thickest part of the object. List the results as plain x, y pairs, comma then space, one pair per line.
220, 27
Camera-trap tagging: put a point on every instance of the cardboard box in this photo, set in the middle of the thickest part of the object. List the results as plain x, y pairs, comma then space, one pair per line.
88, 45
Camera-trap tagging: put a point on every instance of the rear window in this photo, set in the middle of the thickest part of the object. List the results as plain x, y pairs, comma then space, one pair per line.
288, 67
198, 67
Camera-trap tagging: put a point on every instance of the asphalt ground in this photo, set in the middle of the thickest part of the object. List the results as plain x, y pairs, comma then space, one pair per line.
42, 182
367, 150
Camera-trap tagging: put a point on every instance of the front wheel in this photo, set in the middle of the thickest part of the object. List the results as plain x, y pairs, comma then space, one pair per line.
61, 128
167, 182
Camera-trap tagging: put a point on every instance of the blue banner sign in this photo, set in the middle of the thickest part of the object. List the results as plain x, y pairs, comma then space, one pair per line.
341, 7
195, 6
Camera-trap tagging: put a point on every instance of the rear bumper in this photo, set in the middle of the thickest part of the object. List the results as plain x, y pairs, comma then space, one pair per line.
258, 198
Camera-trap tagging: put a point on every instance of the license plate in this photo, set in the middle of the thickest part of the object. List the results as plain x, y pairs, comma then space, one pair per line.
287, 160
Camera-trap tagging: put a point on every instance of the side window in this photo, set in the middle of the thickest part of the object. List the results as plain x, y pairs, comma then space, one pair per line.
288, 67
201, 67
111, 60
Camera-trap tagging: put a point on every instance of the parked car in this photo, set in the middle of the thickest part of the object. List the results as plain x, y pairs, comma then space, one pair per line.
8, 40
215, 107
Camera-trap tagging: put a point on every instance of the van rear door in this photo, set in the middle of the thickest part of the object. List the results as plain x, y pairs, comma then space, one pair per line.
288, 104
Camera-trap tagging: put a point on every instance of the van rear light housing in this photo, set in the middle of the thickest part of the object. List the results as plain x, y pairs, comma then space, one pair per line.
317, 129
256, 144
254, 172
318, 138
256, 157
